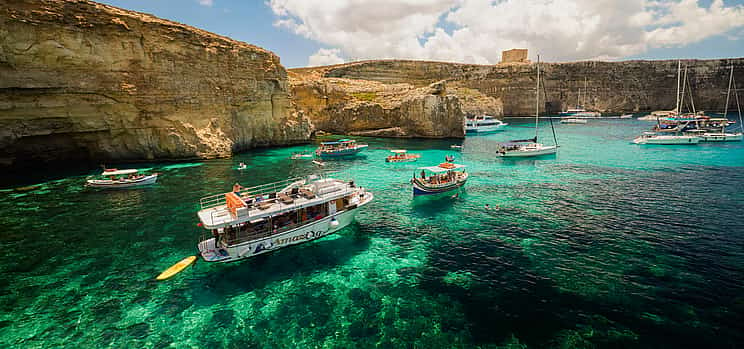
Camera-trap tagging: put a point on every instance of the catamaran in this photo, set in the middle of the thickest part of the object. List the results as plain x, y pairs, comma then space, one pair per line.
401, 155
529, 147
714, 129
122, 179
442, 178
483, 124
252, 221
340, 148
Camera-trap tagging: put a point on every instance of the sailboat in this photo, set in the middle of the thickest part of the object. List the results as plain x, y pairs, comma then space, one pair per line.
529, 147
714, 129
664, 134
574, 115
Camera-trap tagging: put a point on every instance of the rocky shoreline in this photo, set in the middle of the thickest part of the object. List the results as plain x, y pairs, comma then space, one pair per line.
86, 82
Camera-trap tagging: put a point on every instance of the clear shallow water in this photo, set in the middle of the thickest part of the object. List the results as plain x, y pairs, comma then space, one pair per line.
606, 244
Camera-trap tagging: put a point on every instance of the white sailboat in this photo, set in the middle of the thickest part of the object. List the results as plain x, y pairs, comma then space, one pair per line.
665, 138
529, 147
722, 135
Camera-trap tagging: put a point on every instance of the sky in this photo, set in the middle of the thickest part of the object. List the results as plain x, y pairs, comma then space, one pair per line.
319, 32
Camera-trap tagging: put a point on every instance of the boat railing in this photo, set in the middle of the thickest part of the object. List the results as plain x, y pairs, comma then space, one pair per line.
263, 189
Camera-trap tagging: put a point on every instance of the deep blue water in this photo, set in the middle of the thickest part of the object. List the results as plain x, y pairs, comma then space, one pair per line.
606, 244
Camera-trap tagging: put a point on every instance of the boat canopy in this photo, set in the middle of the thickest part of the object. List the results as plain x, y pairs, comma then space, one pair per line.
443, 167
398, 151
119, 172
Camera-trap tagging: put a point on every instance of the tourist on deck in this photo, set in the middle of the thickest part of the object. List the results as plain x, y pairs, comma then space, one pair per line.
237, 188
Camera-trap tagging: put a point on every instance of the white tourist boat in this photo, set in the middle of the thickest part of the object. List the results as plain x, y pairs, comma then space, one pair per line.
573, 121
115, 179
529, 147
483, 124
265, 218
439, 179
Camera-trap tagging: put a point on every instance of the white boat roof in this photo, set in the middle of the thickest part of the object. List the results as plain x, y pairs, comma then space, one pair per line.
438, 168
119, 172
398, 151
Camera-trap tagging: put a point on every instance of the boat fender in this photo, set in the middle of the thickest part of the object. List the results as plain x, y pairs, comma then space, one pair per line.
334, 222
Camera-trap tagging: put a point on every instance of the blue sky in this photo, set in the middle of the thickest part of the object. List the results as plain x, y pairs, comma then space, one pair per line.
432, 29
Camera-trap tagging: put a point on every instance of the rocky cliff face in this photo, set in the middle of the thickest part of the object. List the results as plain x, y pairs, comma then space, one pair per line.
85, 81
612, 87
366, 107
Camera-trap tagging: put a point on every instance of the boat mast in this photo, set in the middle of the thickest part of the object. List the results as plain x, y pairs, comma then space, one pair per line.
682, 98
728, 92
738, 107
537, 97
679, 70
692, 100
586, 89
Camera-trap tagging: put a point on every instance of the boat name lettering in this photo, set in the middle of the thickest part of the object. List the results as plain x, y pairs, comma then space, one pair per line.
295, 238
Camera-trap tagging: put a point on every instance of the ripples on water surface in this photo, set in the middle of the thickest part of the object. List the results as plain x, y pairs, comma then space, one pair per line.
607, 244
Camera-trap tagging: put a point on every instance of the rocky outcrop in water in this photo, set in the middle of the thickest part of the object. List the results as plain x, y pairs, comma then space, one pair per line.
612, 87
85, 81
373, 108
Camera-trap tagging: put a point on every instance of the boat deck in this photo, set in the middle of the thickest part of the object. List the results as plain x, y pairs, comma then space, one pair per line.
257, 202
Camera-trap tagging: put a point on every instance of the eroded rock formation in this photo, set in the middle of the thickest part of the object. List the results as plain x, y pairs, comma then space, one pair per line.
366, 107
85, 81
612, 87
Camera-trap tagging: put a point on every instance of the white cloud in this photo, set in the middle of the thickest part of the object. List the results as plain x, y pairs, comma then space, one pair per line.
325, 57
208, 3
478, 30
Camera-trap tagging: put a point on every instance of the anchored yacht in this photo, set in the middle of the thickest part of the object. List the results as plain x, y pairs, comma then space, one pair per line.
253, 221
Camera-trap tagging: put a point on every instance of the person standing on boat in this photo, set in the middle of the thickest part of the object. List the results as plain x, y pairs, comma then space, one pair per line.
237, 188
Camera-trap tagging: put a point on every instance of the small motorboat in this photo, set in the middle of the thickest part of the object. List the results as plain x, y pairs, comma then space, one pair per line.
303, 155
400, 155
449, 158
442, 178
242, 166
455, 146
319, 163
122, 179
483, 124
626, 116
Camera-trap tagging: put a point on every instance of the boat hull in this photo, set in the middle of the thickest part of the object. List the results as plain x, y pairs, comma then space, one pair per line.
306, 233
484, 129
530, 152
720, 137
105, 183
419, 190
668, 140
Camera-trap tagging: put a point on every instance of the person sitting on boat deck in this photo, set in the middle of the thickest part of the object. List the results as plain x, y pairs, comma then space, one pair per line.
237, 188
423, 174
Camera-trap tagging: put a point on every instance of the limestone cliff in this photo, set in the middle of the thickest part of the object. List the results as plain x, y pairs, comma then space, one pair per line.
85, 81
365, 107
612, 87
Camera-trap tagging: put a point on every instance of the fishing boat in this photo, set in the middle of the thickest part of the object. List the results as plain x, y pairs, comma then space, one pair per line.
400, 155
572, 120
579, 111
254, 221
115, 179
483, 124
529, 147
442, 178
340, 148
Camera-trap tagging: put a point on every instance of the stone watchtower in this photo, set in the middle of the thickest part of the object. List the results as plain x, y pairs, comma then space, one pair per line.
516, 55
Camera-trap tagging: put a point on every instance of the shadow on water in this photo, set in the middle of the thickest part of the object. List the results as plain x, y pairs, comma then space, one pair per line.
225, 280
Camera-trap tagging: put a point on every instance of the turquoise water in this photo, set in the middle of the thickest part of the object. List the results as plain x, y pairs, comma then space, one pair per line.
606, 244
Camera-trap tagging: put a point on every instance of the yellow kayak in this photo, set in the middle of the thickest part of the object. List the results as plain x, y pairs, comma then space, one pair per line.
176, 268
